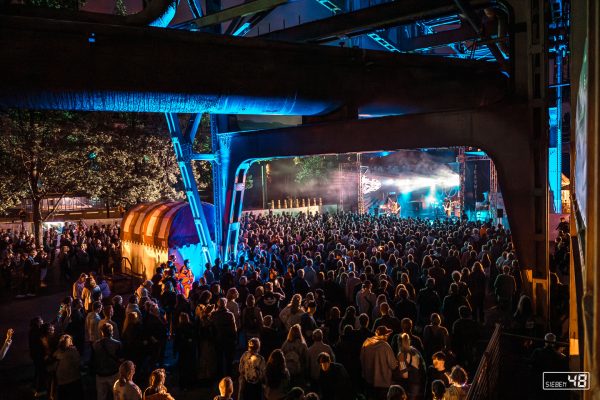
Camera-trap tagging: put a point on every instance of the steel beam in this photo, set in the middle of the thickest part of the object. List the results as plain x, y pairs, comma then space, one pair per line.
242, 10
369, 19
439, 39
506, 140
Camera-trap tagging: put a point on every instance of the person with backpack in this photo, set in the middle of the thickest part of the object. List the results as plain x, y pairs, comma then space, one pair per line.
296, 354
251, 318
252, 372
411, 369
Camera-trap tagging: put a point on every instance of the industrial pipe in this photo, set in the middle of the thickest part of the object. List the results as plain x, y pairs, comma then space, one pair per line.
158, 13
52, 64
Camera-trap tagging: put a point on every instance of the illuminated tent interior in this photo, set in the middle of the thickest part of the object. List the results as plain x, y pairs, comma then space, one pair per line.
151, 232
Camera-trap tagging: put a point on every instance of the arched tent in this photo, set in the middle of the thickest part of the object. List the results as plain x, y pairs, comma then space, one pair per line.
151, 232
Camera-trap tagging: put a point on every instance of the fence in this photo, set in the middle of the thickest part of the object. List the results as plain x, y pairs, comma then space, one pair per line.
485, 381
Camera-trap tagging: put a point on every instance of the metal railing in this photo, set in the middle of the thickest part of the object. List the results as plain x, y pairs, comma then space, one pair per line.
486, 378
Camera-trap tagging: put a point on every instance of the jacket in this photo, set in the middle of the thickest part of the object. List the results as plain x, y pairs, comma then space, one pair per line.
378, 362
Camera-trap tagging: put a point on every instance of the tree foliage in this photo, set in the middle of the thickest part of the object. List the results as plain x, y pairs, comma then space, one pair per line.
310, 169
123, 159
133, 161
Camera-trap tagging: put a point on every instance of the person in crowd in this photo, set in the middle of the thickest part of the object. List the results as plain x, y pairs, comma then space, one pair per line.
465, 336
452, 302
67, 370
477, 287
437, 371
92, 322
106, 359
396, 392
435, 336
438, 390
225, 335
411, 369
133, 338
292, 313
157, 389
378, 362
388, 320
505, 287
90, 294
428, 301
225, 389
144, 290
252, 369
124, 388
108, 313
277, 376
458, 384
77, 325
295, 393
548, 358
251, 318
118, 312
269, 337
314, 351
185, 345
78, 286
405, 307
366, 299
104, 288
333, 381
296, 354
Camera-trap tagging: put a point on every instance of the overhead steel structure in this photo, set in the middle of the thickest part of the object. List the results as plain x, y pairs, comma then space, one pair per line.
70, 61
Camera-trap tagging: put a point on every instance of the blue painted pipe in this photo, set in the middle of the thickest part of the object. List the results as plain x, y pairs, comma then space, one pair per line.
53, 64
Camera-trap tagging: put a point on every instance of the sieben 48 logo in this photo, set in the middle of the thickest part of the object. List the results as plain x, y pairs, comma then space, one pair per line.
566, 381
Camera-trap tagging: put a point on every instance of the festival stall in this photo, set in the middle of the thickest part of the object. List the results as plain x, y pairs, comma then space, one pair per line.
151, 232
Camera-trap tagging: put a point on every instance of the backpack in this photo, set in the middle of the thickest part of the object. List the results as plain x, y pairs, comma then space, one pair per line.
251, 322
292, 360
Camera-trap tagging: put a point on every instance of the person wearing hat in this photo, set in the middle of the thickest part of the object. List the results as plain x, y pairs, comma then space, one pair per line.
548, 358
334, 381
378, 362
252, 372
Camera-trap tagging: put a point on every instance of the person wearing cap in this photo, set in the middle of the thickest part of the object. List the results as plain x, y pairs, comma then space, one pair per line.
333, 381
378, 362
548, 358
252, 372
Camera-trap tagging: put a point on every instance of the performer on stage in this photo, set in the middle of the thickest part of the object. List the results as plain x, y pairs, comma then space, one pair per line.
185, 276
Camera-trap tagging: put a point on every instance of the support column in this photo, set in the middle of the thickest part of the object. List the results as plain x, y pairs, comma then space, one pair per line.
182, 144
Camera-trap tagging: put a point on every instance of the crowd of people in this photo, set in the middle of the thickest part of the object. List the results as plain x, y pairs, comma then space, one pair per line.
328, 307
73, 247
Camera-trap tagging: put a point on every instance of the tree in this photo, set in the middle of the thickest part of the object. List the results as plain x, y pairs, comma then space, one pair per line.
121, 158
133, 160
310, 169
42, 153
